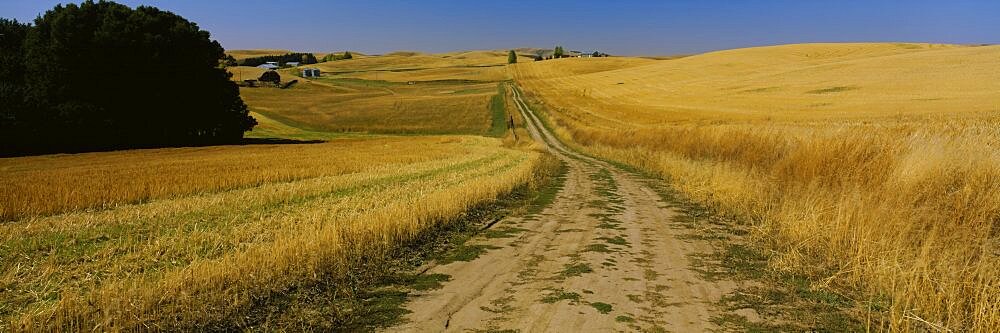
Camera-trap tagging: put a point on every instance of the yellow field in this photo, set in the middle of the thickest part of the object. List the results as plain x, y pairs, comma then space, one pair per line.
196, 238
411, 66
330, 104
191, 237
402, 92
870, 167
45, 185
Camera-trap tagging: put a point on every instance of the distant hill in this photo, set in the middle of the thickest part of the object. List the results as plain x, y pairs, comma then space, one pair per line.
243, 54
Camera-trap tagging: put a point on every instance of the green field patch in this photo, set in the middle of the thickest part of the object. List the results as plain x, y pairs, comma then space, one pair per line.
503, 232
466, 253
498, 112
600, 248
499, 305
624, 319
603, 308
576, 269
617, 240
556, 295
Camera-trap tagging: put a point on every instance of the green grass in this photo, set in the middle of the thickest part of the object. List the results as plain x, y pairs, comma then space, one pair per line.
576, 270
547, 194
498, 112
603, 308
617, 240
600, 248
557, 295
465, 253
624, 319
503, 232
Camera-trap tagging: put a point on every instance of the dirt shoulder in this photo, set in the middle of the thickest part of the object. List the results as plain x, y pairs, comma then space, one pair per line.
602, 256
614, 251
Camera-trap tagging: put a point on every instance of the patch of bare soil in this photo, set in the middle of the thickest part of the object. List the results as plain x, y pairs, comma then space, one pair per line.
612, 252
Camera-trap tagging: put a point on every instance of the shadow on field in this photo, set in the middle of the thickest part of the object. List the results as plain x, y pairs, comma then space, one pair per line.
276, 141
12, 152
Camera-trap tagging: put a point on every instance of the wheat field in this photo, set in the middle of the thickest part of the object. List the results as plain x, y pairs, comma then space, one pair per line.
399, 93
254, 221
872, 168
202, 237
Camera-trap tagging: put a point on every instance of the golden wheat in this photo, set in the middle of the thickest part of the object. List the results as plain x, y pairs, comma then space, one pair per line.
201, 259
41, 185
871, 167
338, 104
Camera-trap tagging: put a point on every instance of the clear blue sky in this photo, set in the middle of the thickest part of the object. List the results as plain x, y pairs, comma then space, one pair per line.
617, 27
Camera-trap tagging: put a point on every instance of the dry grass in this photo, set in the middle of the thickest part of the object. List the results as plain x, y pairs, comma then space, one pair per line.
402, 92
231, 225
203, 238
871, 167
344, 104
409, 66
44, 185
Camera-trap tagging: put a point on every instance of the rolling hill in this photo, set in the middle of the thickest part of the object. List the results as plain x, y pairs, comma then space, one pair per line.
872, 168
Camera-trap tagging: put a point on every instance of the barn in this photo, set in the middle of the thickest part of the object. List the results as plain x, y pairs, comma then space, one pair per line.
311, 72
269, 65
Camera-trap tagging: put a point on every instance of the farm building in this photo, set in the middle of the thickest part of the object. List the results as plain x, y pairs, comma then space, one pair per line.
292, 64
311, 72
269, 65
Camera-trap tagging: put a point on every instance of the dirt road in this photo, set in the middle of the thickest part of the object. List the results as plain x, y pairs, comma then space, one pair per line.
602, 257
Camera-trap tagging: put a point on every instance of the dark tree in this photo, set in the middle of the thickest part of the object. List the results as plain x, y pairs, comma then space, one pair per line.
270, 76
12, 107
303, 58
558, 52
101, 75
347, 55
511, 57
308, 58
229, 61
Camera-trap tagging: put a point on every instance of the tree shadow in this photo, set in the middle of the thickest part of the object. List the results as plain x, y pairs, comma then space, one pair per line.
276, 141
7, 152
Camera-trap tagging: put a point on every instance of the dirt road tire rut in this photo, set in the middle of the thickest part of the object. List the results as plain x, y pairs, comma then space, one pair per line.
603, 256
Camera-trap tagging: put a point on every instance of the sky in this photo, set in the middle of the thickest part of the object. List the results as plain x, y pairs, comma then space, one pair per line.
617, 27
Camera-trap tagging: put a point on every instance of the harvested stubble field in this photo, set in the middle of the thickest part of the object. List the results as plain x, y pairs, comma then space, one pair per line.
194, 237
353, 105
207, 237
872, 168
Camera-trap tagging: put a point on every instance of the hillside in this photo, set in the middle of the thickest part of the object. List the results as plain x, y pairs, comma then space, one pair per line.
294, 227
401, 92
871, 169
792, 81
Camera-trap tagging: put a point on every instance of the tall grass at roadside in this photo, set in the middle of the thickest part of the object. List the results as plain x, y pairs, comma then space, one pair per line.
899, 210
